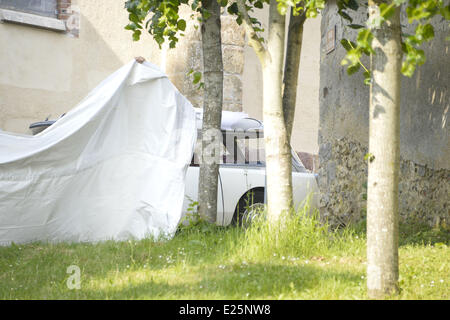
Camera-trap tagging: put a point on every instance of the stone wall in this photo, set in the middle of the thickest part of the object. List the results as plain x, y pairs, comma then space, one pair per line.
343, 180
187, 56
343, 132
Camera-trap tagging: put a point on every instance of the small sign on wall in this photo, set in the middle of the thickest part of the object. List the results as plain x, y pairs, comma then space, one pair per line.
330, 44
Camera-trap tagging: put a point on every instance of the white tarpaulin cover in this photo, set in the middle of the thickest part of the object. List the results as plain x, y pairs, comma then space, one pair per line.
114, 167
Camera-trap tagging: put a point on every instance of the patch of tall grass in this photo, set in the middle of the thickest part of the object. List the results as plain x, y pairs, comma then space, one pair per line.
298, 233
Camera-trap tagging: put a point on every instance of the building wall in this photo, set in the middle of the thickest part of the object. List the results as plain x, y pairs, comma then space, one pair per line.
343, 132
306, 122
44, 72
187, 57
243, 75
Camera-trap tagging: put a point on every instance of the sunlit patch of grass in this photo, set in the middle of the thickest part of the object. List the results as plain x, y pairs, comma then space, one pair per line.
301, 259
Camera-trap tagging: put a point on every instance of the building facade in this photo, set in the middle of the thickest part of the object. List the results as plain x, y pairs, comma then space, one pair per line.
344, 130
53, 52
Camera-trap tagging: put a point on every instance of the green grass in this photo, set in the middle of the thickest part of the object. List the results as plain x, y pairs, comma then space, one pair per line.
305, 261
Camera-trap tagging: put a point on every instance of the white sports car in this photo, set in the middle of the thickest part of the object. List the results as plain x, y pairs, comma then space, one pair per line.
242, 174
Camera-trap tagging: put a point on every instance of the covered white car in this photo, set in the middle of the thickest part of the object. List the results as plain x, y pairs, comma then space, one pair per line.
113, 168
242, 174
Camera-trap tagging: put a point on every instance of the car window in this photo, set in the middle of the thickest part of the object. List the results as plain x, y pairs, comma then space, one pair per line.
297, 164
251, 146
242, 148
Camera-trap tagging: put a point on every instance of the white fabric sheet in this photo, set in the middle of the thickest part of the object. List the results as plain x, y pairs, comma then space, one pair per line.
113, 168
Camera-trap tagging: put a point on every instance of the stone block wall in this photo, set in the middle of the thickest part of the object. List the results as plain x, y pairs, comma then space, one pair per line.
344, 128
188, 56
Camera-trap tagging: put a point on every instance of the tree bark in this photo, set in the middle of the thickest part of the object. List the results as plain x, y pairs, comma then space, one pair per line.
293, 52
384, 155
278, 152
212, 110
277, 147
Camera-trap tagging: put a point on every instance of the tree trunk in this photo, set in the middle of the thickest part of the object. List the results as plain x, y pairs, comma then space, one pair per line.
276, 137
384, 155
294, 48
212, 110
278, 153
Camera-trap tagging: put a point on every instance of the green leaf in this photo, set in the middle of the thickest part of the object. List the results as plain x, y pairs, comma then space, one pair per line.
427, 31
136, 35
386, 11
353, 56
255, 21
133, 18
181, 24
239, 20
344, 15
353, 69
233, 9
368, 78
131, 26
347, 44
194, 5
311, 13
364, 39
352, 4
197, 77
408, 69
282, 8
414, 13
206, 14
258, 4
159, 39
369, 156
445, 12
355, 26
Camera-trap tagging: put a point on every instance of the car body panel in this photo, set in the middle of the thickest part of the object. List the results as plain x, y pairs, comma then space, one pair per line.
236, 180
242, 167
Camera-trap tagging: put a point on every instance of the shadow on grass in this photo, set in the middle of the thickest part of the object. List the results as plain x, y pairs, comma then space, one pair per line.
423, 234
255, 281
413, 233
190, 261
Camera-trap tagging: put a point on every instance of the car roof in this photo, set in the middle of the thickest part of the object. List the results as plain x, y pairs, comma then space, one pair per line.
234, 122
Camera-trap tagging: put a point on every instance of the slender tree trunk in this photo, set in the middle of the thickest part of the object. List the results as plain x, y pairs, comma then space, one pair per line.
293, 52
212, 110
278, 153
384, 149
278, 150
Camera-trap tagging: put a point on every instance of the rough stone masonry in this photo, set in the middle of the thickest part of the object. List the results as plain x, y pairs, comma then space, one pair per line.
344, 128
187, 56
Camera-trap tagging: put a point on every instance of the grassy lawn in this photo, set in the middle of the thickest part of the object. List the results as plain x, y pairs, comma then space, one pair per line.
305, 261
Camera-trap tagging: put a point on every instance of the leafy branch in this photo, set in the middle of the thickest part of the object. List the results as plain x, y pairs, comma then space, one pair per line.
418, 11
